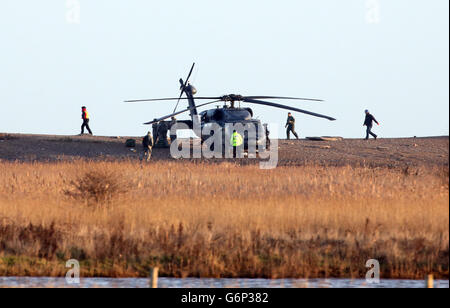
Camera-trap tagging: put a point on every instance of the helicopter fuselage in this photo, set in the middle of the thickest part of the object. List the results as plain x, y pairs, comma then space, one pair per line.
227, 118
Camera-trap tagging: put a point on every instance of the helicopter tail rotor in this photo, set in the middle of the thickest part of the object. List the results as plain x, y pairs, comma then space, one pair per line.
183, 86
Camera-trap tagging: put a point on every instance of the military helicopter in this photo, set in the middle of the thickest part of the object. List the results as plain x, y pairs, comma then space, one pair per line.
229, 113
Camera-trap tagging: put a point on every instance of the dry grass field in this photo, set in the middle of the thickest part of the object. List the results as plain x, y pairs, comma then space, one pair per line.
222, 220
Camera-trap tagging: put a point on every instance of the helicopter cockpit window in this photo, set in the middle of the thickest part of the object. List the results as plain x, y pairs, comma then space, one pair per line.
237, 115
218, 115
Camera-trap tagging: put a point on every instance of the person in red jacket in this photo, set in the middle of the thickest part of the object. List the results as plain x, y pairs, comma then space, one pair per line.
85, 117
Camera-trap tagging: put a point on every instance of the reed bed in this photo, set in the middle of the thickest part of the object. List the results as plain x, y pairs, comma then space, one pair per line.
119, 219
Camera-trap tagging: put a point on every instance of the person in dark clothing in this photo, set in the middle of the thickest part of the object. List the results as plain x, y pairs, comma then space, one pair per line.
290, 126
173, 134
147, 144
155, 131
85, 117
368, 122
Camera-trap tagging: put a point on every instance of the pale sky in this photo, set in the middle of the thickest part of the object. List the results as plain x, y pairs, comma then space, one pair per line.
393, 61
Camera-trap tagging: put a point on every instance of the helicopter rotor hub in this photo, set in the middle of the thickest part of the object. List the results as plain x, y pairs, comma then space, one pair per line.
232, 98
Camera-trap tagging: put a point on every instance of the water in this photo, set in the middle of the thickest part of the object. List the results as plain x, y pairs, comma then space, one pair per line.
34, 282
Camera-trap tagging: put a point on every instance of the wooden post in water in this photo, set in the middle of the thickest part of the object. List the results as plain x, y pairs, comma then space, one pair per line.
154, 278
430, 282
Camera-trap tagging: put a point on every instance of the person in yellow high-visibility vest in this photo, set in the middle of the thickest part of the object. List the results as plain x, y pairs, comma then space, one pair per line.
85, 118
236, 141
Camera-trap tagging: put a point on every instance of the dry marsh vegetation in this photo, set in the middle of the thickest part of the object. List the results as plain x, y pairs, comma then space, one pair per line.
222, 220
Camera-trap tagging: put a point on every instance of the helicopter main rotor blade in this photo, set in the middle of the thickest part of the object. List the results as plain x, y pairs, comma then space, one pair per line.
180, 112
254, 101
166, 99
184, 86
282, 97
221, 97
